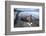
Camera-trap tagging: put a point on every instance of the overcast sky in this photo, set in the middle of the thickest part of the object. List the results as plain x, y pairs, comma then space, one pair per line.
29, 11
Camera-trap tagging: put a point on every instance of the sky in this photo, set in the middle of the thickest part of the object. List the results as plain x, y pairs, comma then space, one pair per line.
29, 11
